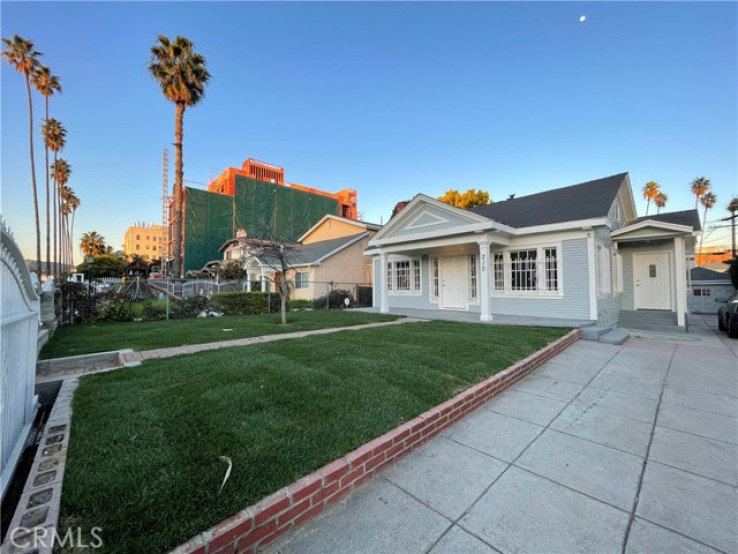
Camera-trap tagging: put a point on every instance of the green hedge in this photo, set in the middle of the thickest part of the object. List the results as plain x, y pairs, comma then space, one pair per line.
245, 303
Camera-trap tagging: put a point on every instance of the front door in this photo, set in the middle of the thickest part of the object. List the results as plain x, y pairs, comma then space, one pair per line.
652, 281
453, 282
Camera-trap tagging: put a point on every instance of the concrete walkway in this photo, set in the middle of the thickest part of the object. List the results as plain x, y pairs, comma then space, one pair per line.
130, 358
624, 449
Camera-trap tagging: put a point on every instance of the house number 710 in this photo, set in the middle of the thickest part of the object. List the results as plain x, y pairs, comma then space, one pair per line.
484, 262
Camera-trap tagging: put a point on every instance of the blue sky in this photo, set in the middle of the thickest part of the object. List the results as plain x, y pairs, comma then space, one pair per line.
391, 99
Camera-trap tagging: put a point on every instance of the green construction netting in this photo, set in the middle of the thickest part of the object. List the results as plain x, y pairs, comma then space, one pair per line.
265, 210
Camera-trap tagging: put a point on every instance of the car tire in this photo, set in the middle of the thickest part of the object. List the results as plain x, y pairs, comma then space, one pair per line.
721, 325
732, 328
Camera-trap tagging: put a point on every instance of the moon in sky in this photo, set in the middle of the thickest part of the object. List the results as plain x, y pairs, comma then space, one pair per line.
582, 18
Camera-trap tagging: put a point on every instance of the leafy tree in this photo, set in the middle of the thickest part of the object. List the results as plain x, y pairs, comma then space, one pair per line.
399, 207
700, 186
708, 201
232, 269
104, 266
660, 200
465, 200
733, 271
54, 135
182, 76
277, 255
21, 55
92, 244
46, 84
650, 191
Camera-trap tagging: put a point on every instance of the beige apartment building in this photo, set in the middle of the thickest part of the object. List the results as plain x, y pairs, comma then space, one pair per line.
148, 240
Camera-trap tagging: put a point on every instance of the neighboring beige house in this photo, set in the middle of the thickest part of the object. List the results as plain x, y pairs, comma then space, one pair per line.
329, 256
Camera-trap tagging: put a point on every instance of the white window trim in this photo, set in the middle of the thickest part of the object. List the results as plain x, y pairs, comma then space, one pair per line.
603, 274
508, 292
305, 281
392, 286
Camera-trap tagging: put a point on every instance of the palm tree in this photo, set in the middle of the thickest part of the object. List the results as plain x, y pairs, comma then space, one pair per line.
708, 201
73, 201
92, 244
650, 190
21, 55
60, 172
733, 208
182, 76
55, 139
660, 200
700, 186
46, 84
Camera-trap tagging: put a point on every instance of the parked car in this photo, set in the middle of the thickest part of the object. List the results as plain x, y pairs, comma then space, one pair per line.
208, 270
728, 316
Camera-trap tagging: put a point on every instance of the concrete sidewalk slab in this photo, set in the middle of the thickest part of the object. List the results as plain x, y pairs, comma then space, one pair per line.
446, 475
647, 538
458, 541
597, 471
549, 388
704, 424
607, 429
710, 458
523, 512
626, 385
705, 401
526, 406
623, 405
700, 508
494, 434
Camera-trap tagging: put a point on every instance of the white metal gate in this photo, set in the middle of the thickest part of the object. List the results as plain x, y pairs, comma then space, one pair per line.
19, 319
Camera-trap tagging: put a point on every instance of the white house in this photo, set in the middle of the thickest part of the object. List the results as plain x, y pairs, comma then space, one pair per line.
578, 252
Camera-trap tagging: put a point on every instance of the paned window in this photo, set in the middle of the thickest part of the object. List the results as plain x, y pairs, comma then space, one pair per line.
523, 272
472, 276
301, 279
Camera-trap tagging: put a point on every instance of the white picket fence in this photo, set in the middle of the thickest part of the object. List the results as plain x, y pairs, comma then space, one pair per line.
19, 320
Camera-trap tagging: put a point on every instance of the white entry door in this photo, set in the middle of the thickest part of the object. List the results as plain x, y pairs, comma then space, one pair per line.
453, 282
652, 281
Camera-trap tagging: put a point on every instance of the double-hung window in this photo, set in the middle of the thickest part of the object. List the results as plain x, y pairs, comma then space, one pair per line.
523, 270
301, 279
528, 271
434, 278
403, 276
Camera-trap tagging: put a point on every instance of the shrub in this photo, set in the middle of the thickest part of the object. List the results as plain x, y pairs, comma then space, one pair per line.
241, 303
299, 304
335, 300
189, 307
115, 311
154, 311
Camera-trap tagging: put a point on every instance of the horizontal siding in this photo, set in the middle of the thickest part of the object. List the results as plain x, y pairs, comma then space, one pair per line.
575, 302
608, 306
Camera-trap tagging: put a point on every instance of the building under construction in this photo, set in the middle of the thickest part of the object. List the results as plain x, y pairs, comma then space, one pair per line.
258, 199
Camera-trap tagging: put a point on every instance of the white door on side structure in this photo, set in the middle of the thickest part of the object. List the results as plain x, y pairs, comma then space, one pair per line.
652, 281
453, 282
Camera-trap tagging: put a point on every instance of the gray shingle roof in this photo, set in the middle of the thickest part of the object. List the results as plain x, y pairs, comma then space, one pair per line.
690, 218
305, 254
704, 274
583, 201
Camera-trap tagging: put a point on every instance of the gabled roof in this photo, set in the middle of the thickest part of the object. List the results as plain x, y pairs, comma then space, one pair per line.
588, 200
357, 222
317, 252
704, 274
688, 218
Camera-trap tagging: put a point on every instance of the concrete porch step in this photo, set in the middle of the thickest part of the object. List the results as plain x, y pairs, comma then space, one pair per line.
615, 336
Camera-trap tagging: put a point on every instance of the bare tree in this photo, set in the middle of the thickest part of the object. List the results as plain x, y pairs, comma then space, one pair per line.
277, 254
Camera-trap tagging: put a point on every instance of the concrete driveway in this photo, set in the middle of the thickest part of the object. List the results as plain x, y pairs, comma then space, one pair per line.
622, 449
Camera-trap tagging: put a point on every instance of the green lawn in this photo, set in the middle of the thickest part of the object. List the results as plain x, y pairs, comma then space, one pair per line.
72, 340
143, 457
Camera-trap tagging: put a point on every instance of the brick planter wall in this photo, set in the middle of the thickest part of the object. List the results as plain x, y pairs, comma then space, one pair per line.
259, 525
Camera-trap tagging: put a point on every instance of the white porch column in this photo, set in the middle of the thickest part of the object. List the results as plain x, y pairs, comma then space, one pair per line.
382, 282
485, 314
680, 263
263, 280
248, 281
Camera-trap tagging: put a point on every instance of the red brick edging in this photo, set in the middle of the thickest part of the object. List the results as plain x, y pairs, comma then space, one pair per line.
259, 525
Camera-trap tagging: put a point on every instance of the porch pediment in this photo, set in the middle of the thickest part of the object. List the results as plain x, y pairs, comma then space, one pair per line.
425, 218
650, 229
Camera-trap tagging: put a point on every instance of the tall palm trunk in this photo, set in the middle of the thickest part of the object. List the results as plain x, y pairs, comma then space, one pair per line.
71, 239
648, 205
33, 173
48, 201
56, 211
177, 268
702, 236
